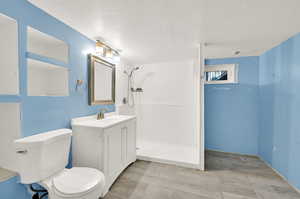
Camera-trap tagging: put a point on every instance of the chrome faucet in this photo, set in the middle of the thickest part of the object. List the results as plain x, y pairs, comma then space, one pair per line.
100, 115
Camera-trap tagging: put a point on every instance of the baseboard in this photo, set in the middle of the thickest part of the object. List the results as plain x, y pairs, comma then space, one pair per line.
243, 154
277, 172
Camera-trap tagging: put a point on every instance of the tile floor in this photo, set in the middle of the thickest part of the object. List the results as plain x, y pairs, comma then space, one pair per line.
228, 176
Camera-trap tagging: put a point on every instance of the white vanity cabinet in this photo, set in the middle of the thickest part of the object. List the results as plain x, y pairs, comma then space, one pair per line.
108, 145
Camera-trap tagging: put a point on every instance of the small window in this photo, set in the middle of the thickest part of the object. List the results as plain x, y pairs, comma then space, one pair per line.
216, 76
221, 74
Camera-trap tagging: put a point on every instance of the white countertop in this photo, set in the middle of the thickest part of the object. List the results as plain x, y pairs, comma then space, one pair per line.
108, 121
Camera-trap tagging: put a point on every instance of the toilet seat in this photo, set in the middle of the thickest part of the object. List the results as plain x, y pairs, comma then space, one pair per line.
77, 181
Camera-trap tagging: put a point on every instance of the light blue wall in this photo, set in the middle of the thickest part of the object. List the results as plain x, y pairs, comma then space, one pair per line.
46, 113
231, 110
279, 138
260, 115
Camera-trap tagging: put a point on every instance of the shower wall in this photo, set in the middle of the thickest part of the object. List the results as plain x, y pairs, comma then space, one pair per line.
121, 81
165, 107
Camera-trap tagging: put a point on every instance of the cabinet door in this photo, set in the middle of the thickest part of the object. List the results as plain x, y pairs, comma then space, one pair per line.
114, 152
131, 141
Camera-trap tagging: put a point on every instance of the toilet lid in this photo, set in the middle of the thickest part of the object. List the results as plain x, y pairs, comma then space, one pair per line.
78, 180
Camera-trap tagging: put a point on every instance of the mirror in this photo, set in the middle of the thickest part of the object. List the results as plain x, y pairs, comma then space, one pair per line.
9, 58
45, 45
101, 81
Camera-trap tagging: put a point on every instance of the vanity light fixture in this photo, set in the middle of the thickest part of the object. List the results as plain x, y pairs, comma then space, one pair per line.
100, 48
105, 51
109, 53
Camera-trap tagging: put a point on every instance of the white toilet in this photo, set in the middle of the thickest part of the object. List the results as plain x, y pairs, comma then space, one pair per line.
42, 159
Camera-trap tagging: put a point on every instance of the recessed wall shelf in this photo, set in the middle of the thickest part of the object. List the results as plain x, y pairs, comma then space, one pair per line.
9, 64
45, 45
45, 59
45, 79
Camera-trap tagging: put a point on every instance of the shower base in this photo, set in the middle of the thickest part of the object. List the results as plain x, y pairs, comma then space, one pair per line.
169, 154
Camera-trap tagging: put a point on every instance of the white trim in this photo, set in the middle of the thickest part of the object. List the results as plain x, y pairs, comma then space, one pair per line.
235, 153
232, 73
202, 116
199, 105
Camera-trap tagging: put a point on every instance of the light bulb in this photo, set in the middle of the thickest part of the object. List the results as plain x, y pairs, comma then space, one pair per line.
99, 48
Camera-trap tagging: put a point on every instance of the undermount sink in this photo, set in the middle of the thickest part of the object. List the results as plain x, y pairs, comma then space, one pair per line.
108, 121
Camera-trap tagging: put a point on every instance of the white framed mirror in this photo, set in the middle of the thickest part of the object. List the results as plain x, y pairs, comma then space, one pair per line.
9, 56
101, 81
45, 45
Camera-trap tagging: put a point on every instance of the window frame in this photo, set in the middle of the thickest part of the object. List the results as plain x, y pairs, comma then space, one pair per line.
232, 73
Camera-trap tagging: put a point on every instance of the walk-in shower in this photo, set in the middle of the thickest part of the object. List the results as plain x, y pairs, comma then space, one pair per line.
162, 97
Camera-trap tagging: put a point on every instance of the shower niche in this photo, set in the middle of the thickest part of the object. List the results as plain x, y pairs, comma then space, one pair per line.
47, 64
42, 44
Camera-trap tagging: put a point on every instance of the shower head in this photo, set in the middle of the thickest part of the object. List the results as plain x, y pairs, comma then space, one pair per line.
132, 71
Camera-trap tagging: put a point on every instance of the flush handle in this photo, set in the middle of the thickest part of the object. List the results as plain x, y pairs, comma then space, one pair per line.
22, 151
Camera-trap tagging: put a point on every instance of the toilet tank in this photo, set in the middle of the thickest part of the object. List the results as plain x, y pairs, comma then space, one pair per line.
41, 156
